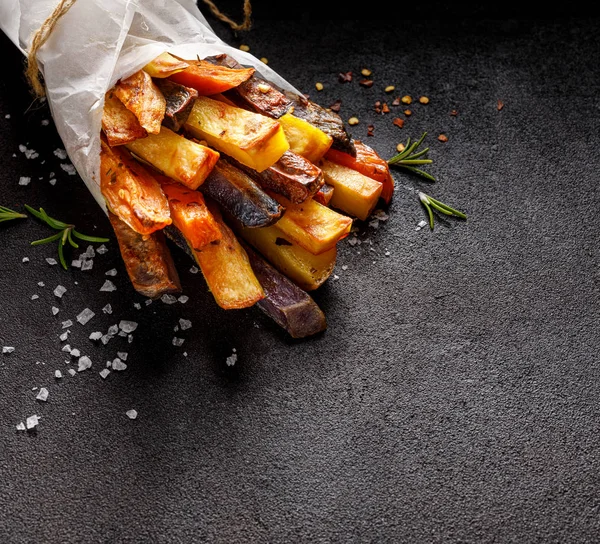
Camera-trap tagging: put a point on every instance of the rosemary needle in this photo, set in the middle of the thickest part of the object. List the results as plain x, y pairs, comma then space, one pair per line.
430, 202
66, 234
6, 214
410, 158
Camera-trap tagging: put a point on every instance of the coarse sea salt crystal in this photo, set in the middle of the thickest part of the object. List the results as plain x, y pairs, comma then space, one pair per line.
20, 426
122, 355
64, 336
104, 372
129, 338
108, 286
127, 326
32, 421
68, 168
148, 301
168, 299
101, 250
41, 284
34, 297
178, 341
85, 316
24, 180
131, 414
72, 372
420, 224
107, 309
42, 395
112, 330
57, 374
185, 324
137, 305
60, 291
95, 335
84, 363
183, 299
194, 270
25, 260
60, 153
67, 348
75, 352
8, 349
87, 264
111, 272
51, 261
66, 324
117, 364
76, 263
232, 359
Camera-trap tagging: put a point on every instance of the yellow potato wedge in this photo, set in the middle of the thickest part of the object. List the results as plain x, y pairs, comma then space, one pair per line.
118, 124
306, 270
227, 270
353, 192
305, 139
165, 65
176, 157
143, 98
251, 138
311, 225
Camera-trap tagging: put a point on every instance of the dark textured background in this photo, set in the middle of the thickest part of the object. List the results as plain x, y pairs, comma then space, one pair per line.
454, 396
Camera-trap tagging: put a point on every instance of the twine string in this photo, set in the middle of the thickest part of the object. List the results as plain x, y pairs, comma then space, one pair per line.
32, 70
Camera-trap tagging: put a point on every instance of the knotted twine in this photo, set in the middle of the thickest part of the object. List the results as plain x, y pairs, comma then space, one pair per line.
32, 71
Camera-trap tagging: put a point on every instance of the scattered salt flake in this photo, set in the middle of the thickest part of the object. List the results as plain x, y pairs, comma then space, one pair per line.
51, 261
60, 291
66, 324
353, 241
90, 252
8, 349
345, 267
105, 339
32, 421
194, 270
387, 253
25, 260
381, 215
183, 299
117, 364
148, 301
45, 122
67, 348
185, 324
131, 414
64, 336
101, 250
60, 153
168, 299
42, 395
122, 355
72, 372
68, 168
420, 224
29, 153
335, 277
111, 272
127, 326
85, 316
41, 283
185, 353
52, 181
96, 335
112, 330
7, 116
76, 263
87, 264
104, 372
24, 180
175, 328
137, 305
122, 333
20, 426
107, 309
34, 297
75, 352
84, 363
58, 374
178, 341
129, 338
232, 359
108, 286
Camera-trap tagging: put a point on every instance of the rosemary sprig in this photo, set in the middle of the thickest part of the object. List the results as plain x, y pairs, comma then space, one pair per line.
6, 214
431, 204
410, 158
65, 234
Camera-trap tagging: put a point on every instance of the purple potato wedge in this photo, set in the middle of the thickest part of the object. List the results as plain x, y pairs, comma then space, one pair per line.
147, 259
180, 100
240, 196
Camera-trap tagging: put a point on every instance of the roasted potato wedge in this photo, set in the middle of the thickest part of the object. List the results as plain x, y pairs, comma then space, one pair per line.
306, 270
131, 192
190, 213
305, 139
353, 192
208, 78
311, 225
165, 65
324, 194
251, 138
120, 126
176, 157
143, 98
368, 162
179, 102
147, 259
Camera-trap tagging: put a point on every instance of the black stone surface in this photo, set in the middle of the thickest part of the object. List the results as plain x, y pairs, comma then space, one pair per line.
454, 396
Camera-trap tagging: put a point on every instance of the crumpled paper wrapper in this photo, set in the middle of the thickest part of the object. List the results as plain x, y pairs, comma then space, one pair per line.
96, 43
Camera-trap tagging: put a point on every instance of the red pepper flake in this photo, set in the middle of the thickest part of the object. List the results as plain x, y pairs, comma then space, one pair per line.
345, 77
370, 130
336, 106
385, 108
366, 82
398, 122
500, 105
443, 138
396, 101
454, 113
378, 106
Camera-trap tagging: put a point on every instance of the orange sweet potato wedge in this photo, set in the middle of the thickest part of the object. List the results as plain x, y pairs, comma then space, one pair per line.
131, 192
190, 214
369, 163
143, 98
208, 78
119, 124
